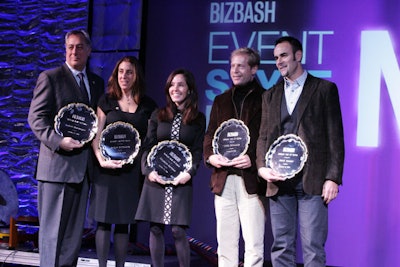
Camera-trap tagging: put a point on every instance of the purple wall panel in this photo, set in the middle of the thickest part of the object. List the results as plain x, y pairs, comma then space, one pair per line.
353, 43
32, 40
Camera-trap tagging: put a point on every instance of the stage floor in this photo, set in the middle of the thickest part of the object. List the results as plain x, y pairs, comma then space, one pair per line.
87, 258
138, 256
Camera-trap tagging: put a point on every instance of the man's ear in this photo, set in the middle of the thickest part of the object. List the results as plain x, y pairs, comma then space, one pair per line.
254, 70
298, 55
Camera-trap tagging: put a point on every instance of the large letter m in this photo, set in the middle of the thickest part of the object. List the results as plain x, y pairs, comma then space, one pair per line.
377, 59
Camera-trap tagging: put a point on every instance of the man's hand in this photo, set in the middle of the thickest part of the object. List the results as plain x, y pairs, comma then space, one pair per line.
69, 144
330, 190
241, 162
219, 161
270, 175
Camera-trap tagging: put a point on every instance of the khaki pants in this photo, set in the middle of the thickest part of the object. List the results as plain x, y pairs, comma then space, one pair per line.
235, 208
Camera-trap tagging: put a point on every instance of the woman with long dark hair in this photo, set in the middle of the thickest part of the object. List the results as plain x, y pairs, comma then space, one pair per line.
163, 203
116, 186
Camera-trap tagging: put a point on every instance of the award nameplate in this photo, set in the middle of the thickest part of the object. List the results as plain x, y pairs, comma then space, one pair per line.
287, 155
76, 120
231, 139
120, 141
169, 159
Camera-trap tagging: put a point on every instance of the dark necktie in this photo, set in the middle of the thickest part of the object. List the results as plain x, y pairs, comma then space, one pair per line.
83, 87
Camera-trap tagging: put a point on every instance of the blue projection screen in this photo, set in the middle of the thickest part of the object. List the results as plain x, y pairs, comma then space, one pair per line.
352, 43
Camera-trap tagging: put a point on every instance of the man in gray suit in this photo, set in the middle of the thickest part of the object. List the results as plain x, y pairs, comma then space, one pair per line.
64, 164
308, 107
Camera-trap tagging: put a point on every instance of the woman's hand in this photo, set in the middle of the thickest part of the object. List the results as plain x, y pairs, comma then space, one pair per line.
111, 164
182, 178
155, 178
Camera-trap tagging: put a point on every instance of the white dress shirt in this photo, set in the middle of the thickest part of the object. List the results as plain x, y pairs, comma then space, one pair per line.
293, 91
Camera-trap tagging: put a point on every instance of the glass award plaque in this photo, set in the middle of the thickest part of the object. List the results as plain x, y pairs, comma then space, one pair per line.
287, 155
169, 158
231, 139
120, 141
76, 120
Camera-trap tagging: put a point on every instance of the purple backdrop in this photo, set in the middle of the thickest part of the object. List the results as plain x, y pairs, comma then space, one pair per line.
353, 43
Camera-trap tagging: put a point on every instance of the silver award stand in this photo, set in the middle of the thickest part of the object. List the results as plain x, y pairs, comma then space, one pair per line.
120, 141
287, 155
231, 139
169, 158
76, 120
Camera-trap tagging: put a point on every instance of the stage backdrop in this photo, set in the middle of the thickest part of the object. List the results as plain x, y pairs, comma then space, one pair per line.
352, 43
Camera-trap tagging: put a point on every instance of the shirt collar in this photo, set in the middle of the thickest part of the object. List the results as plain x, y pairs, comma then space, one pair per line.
74, 71
299, 81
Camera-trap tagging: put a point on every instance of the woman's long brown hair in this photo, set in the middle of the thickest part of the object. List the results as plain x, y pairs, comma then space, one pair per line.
190, 110
138, 87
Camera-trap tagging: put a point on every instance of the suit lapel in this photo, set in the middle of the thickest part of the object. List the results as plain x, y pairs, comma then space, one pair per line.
69, 76
92, 84
94, 87
308, 90
276, 103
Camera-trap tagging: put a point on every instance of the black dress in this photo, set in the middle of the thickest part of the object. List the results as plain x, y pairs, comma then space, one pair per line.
115, 192
153, 198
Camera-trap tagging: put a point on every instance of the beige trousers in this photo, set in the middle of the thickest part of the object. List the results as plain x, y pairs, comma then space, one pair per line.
236, 209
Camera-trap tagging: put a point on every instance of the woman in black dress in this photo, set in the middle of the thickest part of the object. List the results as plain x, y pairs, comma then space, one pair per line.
163, 203
116, 186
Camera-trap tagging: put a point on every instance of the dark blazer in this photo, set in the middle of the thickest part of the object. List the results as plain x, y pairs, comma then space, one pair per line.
55, 89
222, 110
319, 126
